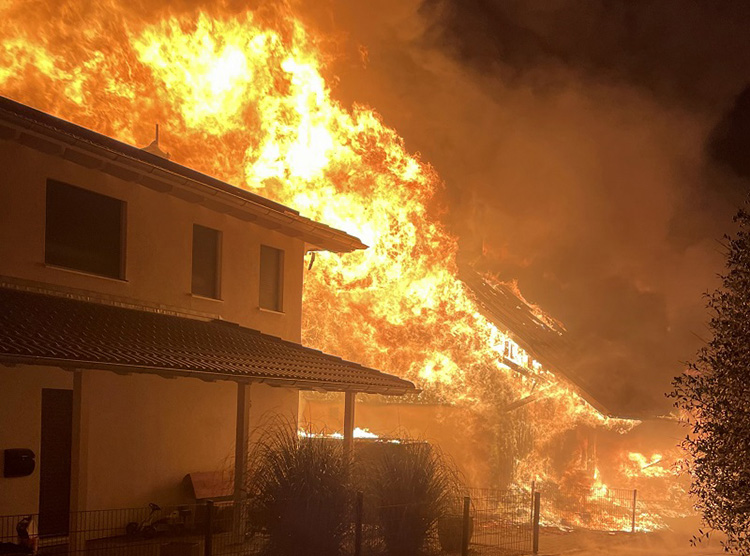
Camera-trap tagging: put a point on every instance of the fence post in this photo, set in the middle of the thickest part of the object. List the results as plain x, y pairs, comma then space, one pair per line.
535, 522
359, 509
465, 532
635, 500
533, 490
208, 533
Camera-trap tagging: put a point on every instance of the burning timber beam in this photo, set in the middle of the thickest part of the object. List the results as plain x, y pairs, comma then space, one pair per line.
531, 398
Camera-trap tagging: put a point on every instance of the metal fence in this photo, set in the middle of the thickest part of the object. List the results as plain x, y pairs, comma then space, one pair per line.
118, 532
503, 521
606, 509
487, 522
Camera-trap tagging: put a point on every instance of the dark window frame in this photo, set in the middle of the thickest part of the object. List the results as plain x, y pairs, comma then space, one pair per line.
54, 247
266, 300
218, 238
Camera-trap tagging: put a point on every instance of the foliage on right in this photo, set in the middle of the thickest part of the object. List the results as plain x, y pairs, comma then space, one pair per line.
714, 397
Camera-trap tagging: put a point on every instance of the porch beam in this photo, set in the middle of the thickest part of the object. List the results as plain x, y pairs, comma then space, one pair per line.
241, 438
349, 400
79, 443
79, 456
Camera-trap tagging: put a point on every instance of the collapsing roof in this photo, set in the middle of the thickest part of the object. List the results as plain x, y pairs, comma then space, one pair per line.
44, 329
542, 339
88, 148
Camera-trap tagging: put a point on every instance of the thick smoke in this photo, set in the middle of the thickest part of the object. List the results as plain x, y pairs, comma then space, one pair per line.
587, 151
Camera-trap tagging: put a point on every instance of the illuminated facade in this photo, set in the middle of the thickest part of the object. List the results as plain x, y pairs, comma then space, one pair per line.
118, 270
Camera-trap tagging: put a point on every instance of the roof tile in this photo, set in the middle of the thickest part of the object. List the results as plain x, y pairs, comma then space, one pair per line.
47, 329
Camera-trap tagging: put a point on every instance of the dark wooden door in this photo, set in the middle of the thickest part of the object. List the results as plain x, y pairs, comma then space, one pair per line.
54, 462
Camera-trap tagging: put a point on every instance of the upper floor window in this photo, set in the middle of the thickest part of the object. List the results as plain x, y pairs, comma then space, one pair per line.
84, 230
206, 261
271, 278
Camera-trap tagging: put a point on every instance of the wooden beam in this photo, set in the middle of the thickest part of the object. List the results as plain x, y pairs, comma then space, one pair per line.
240, 451
349, 399
79, 455
79, 450
522, 402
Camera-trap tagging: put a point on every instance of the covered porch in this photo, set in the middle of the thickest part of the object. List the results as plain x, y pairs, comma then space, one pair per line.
151, 389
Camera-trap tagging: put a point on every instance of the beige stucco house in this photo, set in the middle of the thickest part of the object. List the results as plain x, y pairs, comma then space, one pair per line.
149, 318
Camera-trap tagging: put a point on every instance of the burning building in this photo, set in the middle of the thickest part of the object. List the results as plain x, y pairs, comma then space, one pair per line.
120, 269
246, 96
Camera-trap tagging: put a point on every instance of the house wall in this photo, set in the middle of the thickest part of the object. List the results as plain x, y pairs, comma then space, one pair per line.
20, 427
159, 227
145, 433
140, 434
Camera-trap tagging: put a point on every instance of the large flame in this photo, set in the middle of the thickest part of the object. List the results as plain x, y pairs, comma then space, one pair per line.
245, 97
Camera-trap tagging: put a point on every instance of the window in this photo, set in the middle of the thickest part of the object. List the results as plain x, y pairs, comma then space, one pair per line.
271, 278
85, 230
206, 261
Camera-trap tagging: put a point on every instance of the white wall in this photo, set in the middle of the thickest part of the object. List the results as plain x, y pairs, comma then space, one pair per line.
145, 433
158, 245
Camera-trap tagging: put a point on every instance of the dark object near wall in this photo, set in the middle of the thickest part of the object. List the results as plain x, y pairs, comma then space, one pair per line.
18, 462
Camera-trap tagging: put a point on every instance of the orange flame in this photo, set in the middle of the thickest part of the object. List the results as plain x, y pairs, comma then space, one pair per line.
244, 97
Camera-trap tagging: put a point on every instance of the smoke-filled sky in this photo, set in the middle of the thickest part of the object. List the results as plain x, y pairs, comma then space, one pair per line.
594, 151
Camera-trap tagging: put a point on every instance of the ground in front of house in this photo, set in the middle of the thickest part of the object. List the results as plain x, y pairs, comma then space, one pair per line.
672, 542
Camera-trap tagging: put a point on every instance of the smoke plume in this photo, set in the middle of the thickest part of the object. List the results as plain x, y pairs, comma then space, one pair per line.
587, 152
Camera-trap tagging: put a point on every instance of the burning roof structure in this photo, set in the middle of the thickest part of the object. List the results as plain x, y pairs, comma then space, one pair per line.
537, 333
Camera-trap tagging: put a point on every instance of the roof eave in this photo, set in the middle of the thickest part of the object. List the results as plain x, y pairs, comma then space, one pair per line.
208, 376
94, 150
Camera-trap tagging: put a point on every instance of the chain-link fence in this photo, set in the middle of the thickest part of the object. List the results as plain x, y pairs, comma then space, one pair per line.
605, 509
503, 521
491, 522
119, 532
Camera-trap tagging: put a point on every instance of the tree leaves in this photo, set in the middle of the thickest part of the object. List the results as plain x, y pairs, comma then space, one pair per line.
713, 396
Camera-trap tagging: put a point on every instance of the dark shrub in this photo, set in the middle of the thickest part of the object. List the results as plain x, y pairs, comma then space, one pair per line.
298, 493
411, 486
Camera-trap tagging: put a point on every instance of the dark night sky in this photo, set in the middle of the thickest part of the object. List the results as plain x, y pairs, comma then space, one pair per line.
594, 151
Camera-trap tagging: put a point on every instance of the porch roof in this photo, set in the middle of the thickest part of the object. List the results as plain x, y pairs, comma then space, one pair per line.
44, 329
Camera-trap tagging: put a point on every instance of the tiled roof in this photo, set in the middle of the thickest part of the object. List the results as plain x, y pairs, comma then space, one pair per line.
55, 136
37, 328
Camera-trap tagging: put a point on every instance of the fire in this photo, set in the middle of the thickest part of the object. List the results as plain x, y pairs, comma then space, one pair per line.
653, 466
246, 97
359, 433
598, 488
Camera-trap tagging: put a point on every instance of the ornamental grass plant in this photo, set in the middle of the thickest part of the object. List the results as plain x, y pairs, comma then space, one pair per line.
298, 492
410, 486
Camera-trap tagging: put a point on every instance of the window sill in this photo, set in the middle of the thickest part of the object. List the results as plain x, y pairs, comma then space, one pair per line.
197, 296
271, 311
83, 273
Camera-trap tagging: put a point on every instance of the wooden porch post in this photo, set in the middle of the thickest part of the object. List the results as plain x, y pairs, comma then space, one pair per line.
79, 458
79, 452
349, 400
240, 453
